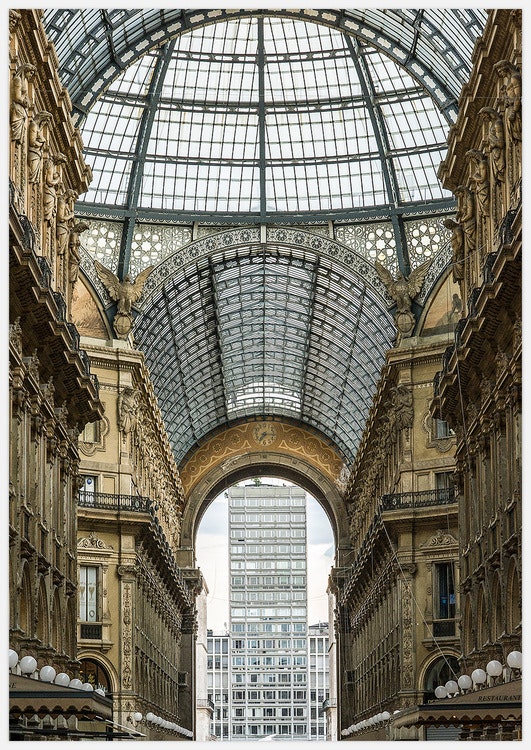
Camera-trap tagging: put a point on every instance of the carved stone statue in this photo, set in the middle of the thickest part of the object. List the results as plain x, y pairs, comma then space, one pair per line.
512, 93
125, 293
52, 178
19, 101
73, 247
458, 247
466, 216
403, 291
496, 142
402, 403
64, 218
127, 408
36, 141
480, 175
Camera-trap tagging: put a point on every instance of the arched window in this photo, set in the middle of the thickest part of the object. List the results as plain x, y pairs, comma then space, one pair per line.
443, 669
91, 671
469, 631
497, 610
514, 600
43, 631
26, 604
483, 631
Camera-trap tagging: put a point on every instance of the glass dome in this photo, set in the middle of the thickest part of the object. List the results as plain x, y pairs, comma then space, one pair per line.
268, 117
262, 161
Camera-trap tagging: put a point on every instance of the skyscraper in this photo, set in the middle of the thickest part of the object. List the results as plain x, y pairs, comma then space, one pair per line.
277, 668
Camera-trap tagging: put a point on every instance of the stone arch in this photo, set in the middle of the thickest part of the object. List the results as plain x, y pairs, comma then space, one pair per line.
101, 662
437, 670
513, 600
26, 606
481, 618
468, 629
57, 629
305, 460
43, 620
497, 624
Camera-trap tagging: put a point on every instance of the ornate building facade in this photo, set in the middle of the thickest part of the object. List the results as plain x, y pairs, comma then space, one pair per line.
405, 568
370, 354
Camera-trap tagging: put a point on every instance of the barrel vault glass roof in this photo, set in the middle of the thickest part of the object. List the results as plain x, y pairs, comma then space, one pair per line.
333, 121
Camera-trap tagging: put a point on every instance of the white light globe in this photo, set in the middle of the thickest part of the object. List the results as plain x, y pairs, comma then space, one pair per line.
465, 682
87, 686
137, 716
386, 716
479, 676
514, 660
77, 684
28, 664
150, 716
62, 679
451, 687
47, 674
440, 691
494, 668
13, 658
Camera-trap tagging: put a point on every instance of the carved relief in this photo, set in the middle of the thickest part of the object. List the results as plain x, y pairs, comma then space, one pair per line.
441, 538
127, 636
94, 542
15, 336
127, 410
289, 440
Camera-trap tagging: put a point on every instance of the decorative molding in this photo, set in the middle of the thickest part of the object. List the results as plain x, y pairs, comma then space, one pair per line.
440, 539
237, 441
94, 542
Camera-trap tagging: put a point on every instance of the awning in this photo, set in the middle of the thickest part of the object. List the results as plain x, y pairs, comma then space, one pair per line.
28, 697
493, 705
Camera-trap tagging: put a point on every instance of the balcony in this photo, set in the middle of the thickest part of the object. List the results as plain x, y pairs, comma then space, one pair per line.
407, 500
105, 501
205, 703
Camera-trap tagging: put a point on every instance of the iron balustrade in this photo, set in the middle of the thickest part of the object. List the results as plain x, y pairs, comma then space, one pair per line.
418, 499
107, 501
443, 628
91, 631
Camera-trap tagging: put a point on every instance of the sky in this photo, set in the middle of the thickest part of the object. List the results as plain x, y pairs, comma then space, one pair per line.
212, 554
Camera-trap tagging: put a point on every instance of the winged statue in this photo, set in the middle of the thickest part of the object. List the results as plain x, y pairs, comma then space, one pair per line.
125, 292
403, 291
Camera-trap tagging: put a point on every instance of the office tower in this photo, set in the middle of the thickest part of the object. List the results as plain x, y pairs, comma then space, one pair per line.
268, 612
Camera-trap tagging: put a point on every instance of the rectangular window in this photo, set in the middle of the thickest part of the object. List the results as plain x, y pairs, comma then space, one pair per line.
88, 593
444, 590
441, 429
443, 485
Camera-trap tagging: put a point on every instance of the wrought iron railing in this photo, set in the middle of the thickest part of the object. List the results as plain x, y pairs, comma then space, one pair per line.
442, 628
418, 499
106, 501
91, 630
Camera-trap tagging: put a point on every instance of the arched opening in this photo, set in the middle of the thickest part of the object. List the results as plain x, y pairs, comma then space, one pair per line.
439, 672
95, 674
265, 547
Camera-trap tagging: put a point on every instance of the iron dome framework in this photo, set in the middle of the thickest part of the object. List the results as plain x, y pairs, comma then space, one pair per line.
215, 125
